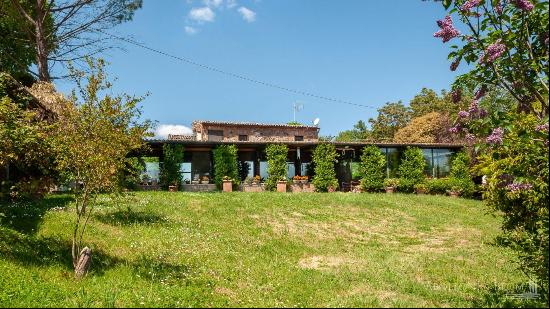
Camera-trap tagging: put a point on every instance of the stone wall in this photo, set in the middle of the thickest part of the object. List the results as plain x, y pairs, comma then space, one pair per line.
259, 133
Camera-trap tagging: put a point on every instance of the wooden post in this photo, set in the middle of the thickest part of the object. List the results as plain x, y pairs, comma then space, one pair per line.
227, 186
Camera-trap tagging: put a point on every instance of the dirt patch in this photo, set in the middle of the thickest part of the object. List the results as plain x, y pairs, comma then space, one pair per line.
326, 262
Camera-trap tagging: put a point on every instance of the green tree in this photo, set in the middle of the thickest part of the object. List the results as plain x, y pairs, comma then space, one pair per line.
359, 132
391, 117
226, 164
62, 31
170, 169
411, 169
324, 157
276, 164
92, 139
505, 44
372, 168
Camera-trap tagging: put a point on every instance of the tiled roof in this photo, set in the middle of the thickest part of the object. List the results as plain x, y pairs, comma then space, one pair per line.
253, 124
308, 143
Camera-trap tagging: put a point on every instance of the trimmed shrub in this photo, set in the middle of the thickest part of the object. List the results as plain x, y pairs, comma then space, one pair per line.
372, 168
439, 185
324, 157
276, 165
226, 164
411, 169
460, 174
170, 169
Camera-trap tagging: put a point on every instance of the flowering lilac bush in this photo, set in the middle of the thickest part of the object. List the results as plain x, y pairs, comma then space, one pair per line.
506, 125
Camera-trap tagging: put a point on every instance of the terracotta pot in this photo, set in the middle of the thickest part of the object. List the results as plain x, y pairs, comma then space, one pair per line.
281, 186
227, 186
390, 189
454, 194
420, 191
172, 188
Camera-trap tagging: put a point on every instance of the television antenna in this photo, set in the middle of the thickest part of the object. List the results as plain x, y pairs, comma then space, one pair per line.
296, 107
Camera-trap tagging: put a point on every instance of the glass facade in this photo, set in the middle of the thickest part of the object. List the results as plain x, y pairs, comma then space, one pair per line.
442, 159
393, 156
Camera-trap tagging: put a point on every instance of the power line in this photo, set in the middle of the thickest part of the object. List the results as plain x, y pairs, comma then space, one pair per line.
242, 77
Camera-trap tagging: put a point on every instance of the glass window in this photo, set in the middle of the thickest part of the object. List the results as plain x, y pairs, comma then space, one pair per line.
263, 169
298, 138
442, 162
200, 165
243, 138
392, 160
304, 169
152, 170
428, 157
186, 172
290, 170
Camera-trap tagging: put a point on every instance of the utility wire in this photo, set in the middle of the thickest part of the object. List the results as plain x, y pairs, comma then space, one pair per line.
242, 77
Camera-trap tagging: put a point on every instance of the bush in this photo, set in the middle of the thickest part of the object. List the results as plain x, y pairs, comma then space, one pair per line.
130, 175
276, 165
411, 169
391, 182
372, 168
324, 157
226, 164
460, 174
439, 185
170, 169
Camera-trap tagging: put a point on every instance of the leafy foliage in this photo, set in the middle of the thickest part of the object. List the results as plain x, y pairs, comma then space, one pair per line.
170, 169
92, 137
372, 168
430, 128
226, 164
324, 157
391, 117
276, 165
359, 132
411, 169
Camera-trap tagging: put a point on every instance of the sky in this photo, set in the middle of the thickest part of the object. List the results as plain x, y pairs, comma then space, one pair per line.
362, 51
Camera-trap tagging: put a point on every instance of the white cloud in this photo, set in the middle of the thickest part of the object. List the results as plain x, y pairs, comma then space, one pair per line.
212, 3
190, 30
247, 14
163, 130
202, 14
231, 3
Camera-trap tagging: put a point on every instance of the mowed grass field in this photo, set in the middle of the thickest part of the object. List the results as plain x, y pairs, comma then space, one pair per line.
162, 249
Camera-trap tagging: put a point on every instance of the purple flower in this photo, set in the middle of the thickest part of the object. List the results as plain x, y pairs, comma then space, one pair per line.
480, 93
468, 5
516, 187
455, 64
493, 52
456, 95
542, 128
496, 137
474, 107
447, 31
525, 5
456, 129
463, 114
498, 7
504, 180
483, 113
470, 138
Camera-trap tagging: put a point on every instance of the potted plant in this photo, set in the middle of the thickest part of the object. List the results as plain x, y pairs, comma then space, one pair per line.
391, 184
256, 180
281, 185
227, 184
173, 187
205, 179
421, 188
455, 191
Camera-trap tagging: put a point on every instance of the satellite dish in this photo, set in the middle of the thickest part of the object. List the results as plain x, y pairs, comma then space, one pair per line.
316, 121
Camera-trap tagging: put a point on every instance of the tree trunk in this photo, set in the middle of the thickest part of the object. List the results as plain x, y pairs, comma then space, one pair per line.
83, 264
41, 44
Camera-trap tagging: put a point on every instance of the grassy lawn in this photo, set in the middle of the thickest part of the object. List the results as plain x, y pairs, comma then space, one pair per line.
259, 249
